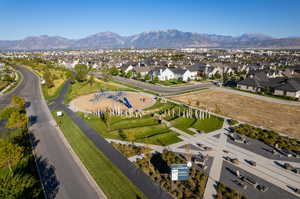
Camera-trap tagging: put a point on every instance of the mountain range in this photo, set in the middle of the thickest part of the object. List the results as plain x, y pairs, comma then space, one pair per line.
151, 39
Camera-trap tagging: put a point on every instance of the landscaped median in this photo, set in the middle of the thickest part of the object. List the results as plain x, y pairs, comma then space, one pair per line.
109, 178
7, 86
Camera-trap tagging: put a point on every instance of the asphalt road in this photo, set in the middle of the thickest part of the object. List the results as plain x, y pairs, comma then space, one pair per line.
61, 176
163, 89
136, 175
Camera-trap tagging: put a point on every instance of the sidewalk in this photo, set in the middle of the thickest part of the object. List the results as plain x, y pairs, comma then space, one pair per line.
260, 97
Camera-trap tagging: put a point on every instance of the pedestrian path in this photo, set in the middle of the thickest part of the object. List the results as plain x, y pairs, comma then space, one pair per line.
260, 97
216, 169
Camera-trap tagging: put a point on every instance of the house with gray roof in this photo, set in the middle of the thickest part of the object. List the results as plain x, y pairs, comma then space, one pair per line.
142, 70
281, 86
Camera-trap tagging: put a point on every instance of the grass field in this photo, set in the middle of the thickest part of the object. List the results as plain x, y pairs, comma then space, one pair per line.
207, 125
107, 176
278, 117
159, 106
58, 81
78, 89
144, 130
135, 87
173, 82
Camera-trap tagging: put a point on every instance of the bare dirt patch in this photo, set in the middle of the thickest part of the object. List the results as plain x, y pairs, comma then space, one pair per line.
136, 99
279, 117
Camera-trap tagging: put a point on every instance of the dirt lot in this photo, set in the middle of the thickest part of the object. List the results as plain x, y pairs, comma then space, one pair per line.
136, 99
279, 117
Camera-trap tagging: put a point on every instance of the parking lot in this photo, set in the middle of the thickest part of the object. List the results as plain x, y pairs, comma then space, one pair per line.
228, 177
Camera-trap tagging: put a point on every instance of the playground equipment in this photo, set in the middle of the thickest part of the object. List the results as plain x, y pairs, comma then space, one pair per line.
127, 102
119, 97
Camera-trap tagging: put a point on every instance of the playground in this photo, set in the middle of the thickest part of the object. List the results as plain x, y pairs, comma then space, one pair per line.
112, 100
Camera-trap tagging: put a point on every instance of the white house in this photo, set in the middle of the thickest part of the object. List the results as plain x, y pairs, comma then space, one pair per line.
182, 74
126, 68
164, 74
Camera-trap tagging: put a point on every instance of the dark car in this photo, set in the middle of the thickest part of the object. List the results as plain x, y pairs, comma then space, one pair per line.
262, 188
251, 162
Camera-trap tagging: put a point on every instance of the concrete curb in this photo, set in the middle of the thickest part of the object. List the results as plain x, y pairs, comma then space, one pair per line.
2, 93
91, 180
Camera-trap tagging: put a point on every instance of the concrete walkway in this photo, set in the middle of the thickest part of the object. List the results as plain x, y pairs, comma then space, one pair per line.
216, 169
260, 97
152, 146
142, 181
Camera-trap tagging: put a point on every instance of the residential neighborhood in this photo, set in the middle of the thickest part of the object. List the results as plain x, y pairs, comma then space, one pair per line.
150, 99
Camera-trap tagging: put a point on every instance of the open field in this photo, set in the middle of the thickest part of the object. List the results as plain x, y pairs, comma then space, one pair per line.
278, 117
107, 176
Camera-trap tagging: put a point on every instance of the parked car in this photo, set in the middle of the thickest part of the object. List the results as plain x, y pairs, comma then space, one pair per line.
262, 188
235, 161
249, 180
225, 151
288, 166
251, 162
243, 185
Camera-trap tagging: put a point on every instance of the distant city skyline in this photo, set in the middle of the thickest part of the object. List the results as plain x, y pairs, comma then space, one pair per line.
77, 19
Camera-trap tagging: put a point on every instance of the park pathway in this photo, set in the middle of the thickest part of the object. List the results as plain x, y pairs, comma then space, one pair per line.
135, 174
260, 97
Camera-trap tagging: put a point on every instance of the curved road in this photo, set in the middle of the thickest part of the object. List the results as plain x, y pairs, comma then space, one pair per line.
142, 181
61, 175
168, 90
163, 89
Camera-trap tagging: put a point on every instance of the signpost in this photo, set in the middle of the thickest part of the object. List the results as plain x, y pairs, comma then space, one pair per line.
179, 172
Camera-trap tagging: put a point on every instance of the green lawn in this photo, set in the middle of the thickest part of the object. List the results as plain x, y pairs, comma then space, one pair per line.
172, 82
84, 88
188, 91
55, 93
135, 87
108, 177
146, 129
207, 125
161, 106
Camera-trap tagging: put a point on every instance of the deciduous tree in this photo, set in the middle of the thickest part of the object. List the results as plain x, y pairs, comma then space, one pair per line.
17, 120
10, 154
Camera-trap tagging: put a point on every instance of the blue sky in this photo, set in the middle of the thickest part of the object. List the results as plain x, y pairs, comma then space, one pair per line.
77, 19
